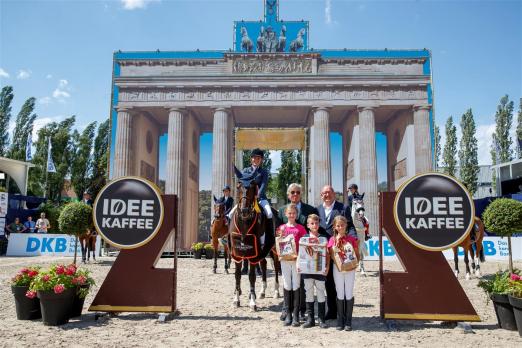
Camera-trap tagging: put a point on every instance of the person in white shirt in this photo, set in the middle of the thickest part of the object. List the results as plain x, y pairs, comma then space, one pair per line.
42, 224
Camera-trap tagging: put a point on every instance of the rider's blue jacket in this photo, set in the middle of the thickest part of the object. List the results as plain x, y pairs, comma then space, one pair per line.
260, 175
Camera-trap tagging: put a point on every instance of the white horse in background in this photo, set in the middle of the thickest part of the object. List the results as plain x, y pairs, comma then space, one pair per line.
246, 42
361, 227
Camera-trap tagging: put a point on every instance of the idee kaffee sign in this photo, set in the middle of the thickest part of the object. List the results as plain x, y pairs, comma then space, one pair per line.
431, 212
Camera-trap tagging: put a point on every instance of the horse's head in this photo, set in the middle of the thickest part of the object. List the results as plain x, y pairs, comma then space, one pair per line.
219, 208
301, 32
247, 191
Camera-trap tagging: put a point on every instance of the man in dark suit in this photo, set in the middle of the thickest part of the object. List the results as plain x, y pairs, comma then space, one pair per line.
328, 210
303, 210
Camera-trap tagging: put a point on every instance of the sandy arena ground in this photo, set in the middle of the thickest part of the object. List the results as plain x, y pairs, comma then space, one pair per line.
207, 317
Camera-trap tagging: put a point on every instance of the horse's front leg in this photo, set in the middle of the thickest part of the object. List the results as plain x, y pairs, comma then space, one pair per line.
226, 257
237, 292
216, 250
263, 276
456, 260
277, 268
466, 262
479, 252
252, 279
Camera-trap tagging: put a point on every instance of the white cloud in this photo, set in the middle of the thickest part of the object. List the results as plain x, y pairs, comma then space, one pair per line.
49, 76
4, 73
328, 12
23, 74
136, 4
44, 100
62, 91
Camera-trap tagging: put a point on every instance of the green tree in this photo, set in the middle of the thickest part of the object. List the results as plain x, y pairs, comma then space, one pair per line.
100, 159
289, 172
449, 156
437, 147
503, 120
62, 150
468, 154
519, 129
503, 217
204, 215
6, 97
81, 165
23, 129
75, 218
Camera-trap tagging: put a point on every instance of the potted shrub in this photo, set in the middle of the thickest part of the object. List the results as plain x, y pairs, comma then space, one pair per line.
209, 251
56, 291
75, 218
83, 281
496, 287
515, 299
197, 248
503, 217
26, 308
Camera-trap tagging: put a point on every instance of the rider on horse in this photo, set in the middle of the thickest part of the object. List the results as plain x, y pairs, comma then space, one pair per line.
260, 175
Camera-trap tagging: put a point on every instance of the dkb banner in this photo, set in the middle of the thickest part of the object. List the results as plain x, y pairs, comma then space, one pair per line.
36, 244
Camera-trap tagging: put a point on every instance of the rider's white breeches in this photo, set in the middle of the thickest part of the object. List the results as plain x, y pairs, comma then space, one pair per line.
291, 279
344, 283
266, 207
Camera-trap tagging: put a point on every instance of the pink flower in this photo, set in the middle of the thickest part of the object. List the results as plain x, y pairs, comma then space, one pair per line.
24, 270
81, 280
70, 270
46, 278
515, 277
32, 273
30, 294
60, 269
59, 288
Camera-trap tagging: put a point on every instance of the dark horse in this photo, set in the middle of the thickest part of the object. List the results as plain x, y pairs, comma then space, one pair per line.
472, 244
218, 231
88, 244
251, 238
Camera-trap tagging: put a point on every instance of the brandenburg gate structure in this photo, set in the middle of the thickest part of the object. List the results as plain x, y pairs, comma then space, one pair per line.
271, 80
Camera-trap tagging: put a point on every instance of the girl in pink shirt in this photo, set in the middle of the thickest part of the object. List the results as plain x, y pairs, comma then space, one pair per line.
291, 279
344, 281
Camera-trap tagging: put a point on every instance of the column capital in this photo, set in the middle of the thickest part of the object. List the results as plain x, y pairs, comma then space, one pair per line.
226, 109
122, 109
181, 110
367, 107
417, 107
321, 108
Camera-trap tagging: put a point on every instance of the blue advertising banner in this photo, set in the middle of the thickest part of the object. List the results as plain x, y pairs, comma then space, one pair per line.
36, 244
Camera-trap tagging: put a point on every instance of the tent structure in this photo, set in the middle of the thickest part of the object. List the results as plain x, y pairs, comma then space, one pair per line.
16, 170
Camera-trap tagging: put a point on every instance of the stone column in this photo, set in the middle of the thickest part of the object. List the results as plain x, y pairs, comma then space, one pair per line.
421, 122
368, 166
175, 164
122, 152
221, 151
319, 154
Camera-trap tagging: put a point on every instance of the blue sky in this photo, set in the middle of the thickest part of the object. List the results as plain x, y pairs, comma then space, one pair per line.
61, 51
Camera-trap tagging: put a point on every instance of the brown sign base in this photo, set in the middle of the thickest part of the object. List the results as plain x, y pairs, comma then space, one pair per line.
428, 289
133, 284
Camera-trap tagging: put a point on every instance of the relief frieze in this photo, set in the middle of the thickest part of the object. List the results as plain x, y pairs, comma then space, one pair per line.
247, 65
267, 94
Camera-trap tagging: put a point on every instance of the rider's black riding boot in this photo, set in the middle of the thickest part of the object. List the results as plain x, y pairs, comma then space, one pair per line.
295, 308
287, 295
321, 314
302, 305
310, 319
348, 313
244, 271
340, 314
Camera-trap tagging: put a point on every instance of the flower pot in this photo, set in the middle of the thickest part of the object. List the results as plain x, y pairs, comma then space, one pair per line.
56, 308
209, 253
516, 302
77, 306
504, 311
26, 308
197, 254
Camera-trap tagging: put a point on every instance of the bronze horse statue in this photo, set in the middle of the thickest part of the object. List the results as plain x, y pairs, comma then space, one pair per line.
472, 244
251, 237
219, 233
